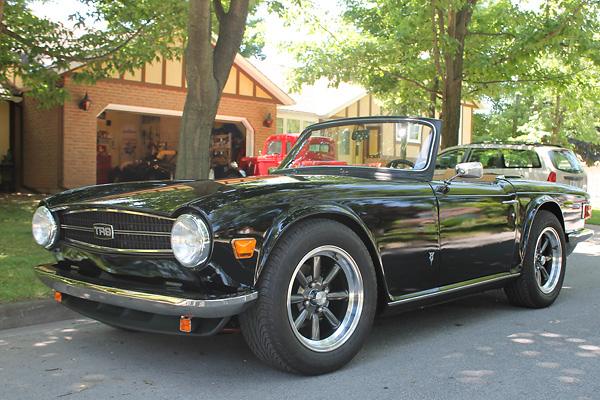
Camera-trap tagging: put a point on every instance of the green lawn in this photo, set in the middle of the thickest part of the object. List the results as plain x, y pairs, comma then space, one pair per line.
595, 220
18, 251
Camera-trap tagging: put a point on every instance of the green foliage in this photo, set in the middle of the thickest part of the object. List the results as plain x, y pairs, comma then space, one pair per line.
113, 36
401, 50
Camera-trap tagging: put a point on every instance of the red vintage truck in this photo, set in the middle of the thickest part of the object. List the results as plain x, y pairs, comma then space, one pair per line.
320, 151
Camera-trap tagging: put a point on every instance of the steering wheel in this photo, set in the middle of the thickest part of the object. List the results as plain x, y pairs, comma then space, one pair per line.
399, 161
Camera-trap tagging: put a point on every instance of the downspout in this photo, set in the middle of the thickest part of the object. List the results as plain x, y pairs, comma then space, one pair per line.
61, 147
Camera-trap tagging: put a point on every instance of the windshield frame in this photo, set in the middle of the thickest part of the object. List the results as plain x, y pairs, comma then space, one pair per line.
381, 173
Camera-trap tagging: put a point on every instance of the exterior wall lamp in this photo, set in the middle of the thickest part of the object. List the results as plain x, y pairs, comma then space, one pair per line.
85, 103
268, 122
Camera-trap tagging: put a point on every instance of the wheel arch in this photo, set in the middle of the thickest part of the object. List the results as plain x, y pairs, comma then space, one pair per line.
542, 203
333, 213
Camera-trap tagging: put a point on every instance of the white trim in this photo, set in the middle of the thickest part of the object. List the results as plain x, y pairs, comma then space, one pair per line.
141, 110
263, 80
343, 106
249, 131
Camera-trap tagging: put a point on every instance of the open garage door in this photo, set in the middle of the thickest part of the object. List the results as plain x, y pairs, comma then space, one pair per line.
135, 143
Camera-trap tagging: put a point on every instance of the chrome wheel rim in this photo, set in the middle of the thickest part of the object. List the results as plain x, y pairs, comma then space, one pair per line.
548, 260
325, 298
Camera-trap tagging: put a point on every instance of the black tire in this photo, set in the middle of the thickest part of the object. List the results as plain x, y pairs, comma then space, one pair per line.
544, 265
308, 319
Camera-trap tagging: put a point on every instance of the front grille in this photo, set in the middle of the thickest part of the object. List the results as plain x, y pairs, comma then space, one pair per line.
132, 231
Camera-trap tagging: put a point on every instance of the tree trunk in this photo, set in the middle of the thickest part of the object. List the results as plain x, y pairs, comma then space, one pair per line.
452, 81
206, 70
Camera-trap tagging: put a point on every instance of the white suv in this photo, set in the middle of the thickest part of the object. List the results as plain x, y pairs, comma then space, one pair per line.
531, 161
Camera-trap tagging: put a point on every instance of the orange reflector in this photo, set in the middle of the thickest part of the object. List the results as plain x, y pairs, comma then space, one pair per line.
58, 296
243, 248
185, 323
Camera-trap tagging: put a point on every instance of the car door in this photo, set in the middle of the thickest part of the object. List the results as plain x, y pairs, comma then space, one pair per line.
477, 229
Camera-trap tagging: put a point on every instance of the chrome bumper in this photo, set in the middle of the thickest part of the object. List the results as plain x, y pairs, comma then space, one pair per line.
574, 238
148, 302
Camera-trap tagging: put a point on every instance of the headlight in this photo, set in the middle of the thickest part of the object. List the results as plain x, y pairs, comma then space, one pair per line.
44, 227
190, 240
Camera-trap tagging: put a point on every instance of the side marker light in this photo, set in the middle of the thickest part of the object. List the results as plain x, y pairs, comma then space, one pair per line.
58, 296
243, 248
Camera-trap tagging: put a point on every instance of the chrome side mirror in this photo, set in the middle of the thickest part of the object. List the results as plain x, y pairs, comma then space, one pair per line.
471, 170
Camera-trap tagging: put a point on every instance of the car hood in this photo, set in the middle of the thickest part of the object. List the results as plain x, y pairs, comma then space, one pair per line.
162, 197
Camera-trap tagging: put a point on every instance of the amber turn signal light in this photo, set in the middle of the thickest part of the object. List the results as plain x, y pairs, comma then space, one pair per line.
58, 296
185, 323
243, 248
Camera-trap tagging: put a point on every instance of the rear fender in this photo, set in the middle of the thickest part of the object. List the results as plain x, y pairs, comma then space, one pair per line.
543, 202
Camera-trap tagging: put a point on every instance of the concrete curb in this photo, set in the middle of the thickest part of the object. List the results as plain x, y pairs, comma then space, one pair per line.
17, 315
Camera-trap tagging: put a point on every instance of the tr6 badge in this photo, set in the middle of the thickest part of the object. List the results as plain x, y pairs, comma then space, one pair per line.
104, 231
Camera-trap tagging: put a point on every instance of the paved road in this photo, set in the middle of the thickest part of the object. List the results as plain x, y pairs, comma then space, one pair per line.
479, 347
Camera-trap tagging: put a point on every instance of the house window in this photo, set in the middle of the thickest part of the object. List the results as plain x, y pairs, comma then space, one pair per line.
279, 126
414, 133
293, 126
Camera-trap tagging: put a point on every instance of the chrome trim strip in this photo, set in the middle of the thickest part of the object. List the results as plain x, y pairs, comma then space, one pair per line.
451, 288
115, 210
148, 302
113, 250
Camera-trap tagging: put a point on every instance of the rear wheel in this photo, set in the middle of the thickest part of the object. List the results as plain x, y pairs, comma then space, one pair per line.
317, 300
544, 265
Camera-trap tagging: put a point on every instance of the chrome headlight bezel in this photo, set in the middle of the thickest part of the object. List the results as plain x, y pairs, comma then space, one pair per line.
44, 227
190, 240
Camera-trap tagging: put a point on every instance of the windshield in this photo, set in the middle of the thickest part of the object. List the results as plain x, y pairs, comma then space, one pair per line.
402, 145
274, 147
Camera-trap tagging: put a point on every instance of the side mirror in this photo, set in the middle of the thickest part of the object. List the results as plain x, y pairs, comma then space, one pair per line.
472, 170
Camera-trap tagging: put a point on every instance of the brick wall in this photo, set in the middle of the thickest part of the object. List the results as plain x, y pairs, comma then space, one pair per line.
42, 128
41, 148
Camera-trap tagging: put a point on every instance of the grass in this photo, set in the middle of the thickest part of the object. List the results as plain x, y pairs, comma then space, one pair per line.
595, 219
19, 253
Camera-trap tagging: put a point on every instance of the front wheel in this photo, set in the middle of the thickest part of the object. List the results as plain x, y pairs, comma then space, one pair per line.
544, 265
317, 300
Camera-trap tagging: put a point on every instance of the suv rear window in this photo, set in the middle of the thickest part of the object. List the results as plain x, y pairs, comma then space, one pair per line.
520, 158
488, 157
565, 160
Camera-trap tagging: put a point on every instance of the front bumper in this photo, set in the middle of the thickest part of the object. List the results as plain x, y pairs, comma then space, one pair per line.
224, 306
574, 238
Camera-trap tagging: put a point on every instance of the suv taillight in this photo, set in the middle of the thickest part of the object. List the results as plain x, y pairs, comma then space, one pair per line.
587, 211
552, 177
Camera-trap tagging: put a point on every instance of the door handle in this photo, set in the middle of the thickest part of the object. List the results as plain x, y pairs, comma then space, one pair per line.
510, 202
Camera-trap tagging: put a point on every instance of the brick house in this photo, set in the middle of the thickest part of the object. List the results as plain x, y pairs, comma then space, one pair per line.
130, 116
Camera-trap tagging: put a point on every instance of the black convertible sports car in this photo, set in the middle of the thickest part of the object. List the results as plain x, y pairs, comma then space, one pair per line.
302, 260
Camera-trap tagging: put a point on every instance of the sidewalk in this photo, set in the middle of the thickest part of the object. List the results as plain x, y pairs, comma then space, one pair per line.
17, 315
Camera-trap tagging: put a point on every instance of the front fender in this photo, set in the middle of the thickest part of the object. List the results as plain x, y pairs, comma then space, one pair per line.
327, 211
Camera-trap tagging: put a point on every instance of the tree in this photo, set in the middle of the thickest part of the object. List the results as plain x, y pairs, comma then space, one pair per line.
548, 114
415, 55
207, 70
36, 51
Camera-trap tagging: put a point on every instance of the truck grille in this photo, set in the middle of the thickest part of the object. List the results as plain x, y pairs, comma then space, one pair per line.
120, 230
